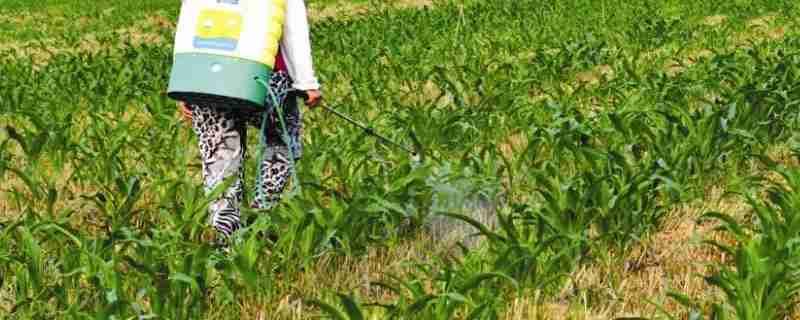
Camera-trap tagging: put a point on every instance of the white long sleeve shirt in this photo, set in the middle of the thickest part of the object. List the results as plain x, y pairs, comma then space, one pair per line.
296, 46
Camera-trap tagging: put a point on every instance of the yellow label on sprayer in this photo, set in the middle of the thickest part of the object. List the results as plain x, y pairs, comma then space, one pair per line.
246, 29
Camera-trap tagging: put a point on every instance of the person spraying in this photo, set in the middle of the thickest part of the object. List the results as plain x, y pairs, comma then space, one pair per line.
221, 127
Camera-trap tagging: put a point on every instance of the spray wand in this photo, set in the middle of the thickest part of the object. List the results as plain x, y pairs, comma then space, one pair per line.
367, 129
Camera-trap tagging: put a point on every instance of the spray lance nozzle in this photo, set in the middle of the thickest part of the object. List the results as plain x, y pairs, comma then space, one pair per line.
416, 155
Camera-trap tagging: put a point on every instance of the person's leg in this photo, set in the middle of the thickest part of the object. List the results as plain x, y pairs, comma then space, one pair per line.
222, 141
276, 166
274, 176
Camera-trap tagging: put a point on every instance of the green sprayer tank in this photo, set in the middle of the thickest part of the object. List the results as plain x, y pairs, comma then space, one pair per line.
222, 47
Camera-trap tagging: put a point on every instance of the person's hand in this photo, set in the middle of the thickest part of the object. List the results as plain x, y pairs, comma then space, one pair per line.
313, 98
186, 112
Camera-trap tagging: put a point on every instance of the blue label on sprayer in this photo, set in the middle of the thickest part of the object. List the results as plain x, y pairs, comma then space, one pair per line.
226, 44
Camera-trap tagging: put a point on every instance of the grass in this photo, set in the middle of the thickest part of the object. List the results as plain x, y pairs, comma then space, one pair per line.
583, 141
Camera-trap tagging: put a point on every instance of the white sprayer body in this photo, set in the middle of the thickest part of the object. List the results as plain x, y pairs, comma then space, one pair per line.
222, 47
246, 29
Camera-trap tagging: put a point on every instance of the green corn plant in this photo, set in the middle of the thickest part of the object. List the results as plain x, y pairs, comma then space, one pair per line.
521, 252
352, 309
30, 277
94, 163
762, 282
459, 290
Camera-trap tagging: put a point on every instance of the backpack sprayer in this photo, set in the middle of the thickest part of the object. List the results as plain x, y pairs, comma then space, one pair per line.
222, 47
224, 56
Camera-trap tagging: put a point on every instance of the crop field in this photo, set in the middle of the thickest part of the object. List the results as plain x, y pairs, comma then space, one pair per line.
581, 159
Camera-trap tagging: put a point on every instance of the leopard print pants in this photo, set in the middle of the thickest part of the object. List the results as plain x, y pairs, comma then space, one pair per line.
222, 139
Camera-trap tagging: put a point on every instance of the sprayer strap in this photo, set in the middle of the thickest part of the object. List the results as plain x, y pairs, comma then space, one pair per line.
290, 143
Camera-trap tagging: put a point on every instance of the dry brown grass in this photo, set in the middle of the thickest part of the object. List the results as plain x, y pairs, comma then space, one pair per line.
420, 93
595, 75
346, 10
759, 29
57, 177
670, 260
785, 157
715, 20
675, 66
514, 145
525, 308
331, 274
10, 181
